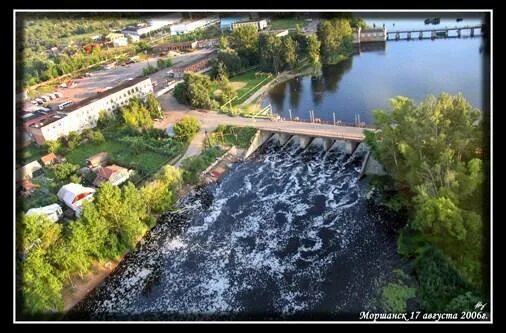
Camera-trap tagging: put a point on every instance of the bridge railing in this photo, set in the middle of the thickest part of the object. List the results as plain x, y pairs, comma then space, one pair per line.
330, 122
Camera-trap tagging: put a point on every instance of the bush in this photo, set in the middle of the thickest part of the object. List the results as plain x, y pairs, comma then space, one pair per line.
53, 146
63, 171
193, 166
97, 137
186, 128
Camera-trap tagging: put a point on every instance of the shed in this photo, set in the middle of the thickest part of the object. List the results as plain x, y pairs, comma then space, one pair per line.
111, 173
29, 171
53, 212
50, 159
97, 160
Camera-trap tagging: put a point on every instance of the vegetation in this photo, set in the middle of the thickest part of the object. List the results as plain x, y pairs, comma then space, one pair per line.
186, 128
253, 81
195, 165
195, 90
231, 136
286, 23
335, 36
433, 152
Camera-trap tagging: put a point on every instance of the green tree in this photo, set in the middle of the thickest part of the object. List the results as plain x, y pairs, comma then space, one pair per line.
186, 128
231, 61
136, 116
244, 39
313, 52
196, 91
270, 52
334, 35
432, 151
63, 171
53, 146
289, 52
154, 107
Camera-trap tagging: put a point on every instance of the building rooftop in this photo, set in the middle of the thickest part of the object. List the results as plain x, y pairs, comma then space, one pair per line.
105, 93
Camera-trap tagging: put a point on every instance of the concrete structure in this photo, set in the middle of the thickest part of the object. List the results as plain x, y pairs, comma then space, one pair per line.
369, 35
111, 173
85, 114
153, 25
29, 171
74, 195
208, 43
432, 33
53, 212
259, 25
190, 26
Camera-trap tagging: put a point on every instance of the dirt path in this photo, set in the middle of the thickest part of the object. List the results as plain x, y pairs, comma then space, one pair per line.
81, 288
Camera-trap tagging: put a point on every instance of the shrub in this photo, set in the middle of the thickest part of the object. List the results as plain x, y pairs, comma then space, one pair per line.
186, 128
97, 137
53, 146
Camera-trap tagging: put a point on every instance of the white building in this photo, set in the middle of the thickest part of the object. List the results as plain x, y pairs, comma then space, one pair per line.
189, 26
259, 25
85, 114
53, 212
153, 25
28, 171
118, 42
74, 195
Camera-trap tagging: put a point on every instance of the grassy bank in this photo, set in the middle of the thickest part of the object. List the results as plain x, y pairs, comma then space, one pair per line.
249, 82
286, 23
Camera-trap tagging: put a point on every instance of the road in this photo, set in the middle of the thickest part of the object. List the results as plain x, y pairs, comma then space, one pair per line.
101, 79
210, 120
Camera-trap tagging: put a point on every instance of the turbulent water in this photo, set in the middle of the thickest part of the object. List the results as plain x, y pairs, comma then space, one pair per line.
287, 234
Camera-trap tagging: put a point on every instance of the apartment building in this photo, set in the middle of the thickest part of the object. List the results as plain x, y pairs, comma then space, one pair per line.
85, 114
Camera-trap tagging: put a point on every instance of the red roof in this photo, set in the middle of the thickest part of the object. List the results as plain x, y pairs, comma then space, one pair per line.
108, 171
49, 158
28, 185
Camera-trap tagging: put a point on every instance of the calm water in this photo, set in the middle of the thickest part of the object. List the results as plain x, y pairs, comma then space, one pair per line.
369, 79
285, 234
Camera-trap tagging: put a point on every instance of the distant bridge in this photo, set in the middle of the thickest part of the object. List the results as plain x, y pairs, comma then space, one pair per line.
433, 33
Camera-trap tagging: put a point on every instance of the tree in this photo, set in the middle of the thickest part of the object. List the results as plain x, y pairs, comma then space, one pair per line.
289, 52
313, 51
231, 61
223, 43
53, 146
432, 151
195, 90
270, 52
136, 116
186, 128
333, 35
154, 107
160, 194
63, 171
244, 40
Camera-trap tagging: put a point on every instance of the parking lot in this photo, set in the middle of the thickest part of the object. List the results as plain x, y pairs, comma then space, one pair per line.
104, 78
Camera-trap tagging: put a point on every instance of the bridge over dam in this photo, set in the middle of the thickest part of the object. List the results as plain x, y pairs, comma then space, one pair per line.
305, 133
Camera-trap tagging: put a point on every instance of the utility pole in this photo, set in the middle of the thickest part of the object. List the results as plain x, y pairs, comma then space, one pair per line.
334, 114
290, 111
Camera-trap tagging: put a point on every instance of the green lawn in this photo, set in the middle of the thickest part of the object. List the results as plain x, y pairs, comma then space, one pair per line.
120, 152
252, 80
233, 136
29, 154
278, 24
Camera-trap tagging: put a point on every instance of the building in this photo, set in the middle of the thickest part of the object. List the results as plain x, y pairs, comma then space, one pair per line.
153, 25
226, 22
117, 40
74, 195
97, 160
259, 25
26, 187
53, 212
85, 114
369, 35
51, 159
190, 26
177, 46
112, 173
29, 171
178, 72
208, 43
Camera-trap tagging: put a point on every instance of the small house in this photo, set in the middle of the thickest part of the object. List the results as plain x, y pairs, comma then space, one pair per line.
53, 212
112, 173
26, 187
51, 159
97, 160
29, 171
74, 195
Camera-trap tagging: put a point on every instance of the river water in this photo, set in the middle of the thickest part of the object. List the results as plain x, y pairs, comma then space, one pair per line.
368, 80
288, 234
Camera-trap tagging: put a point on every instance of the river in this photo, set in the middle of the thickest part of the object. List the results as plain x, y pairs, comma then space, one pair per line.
288, 234
367, 80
